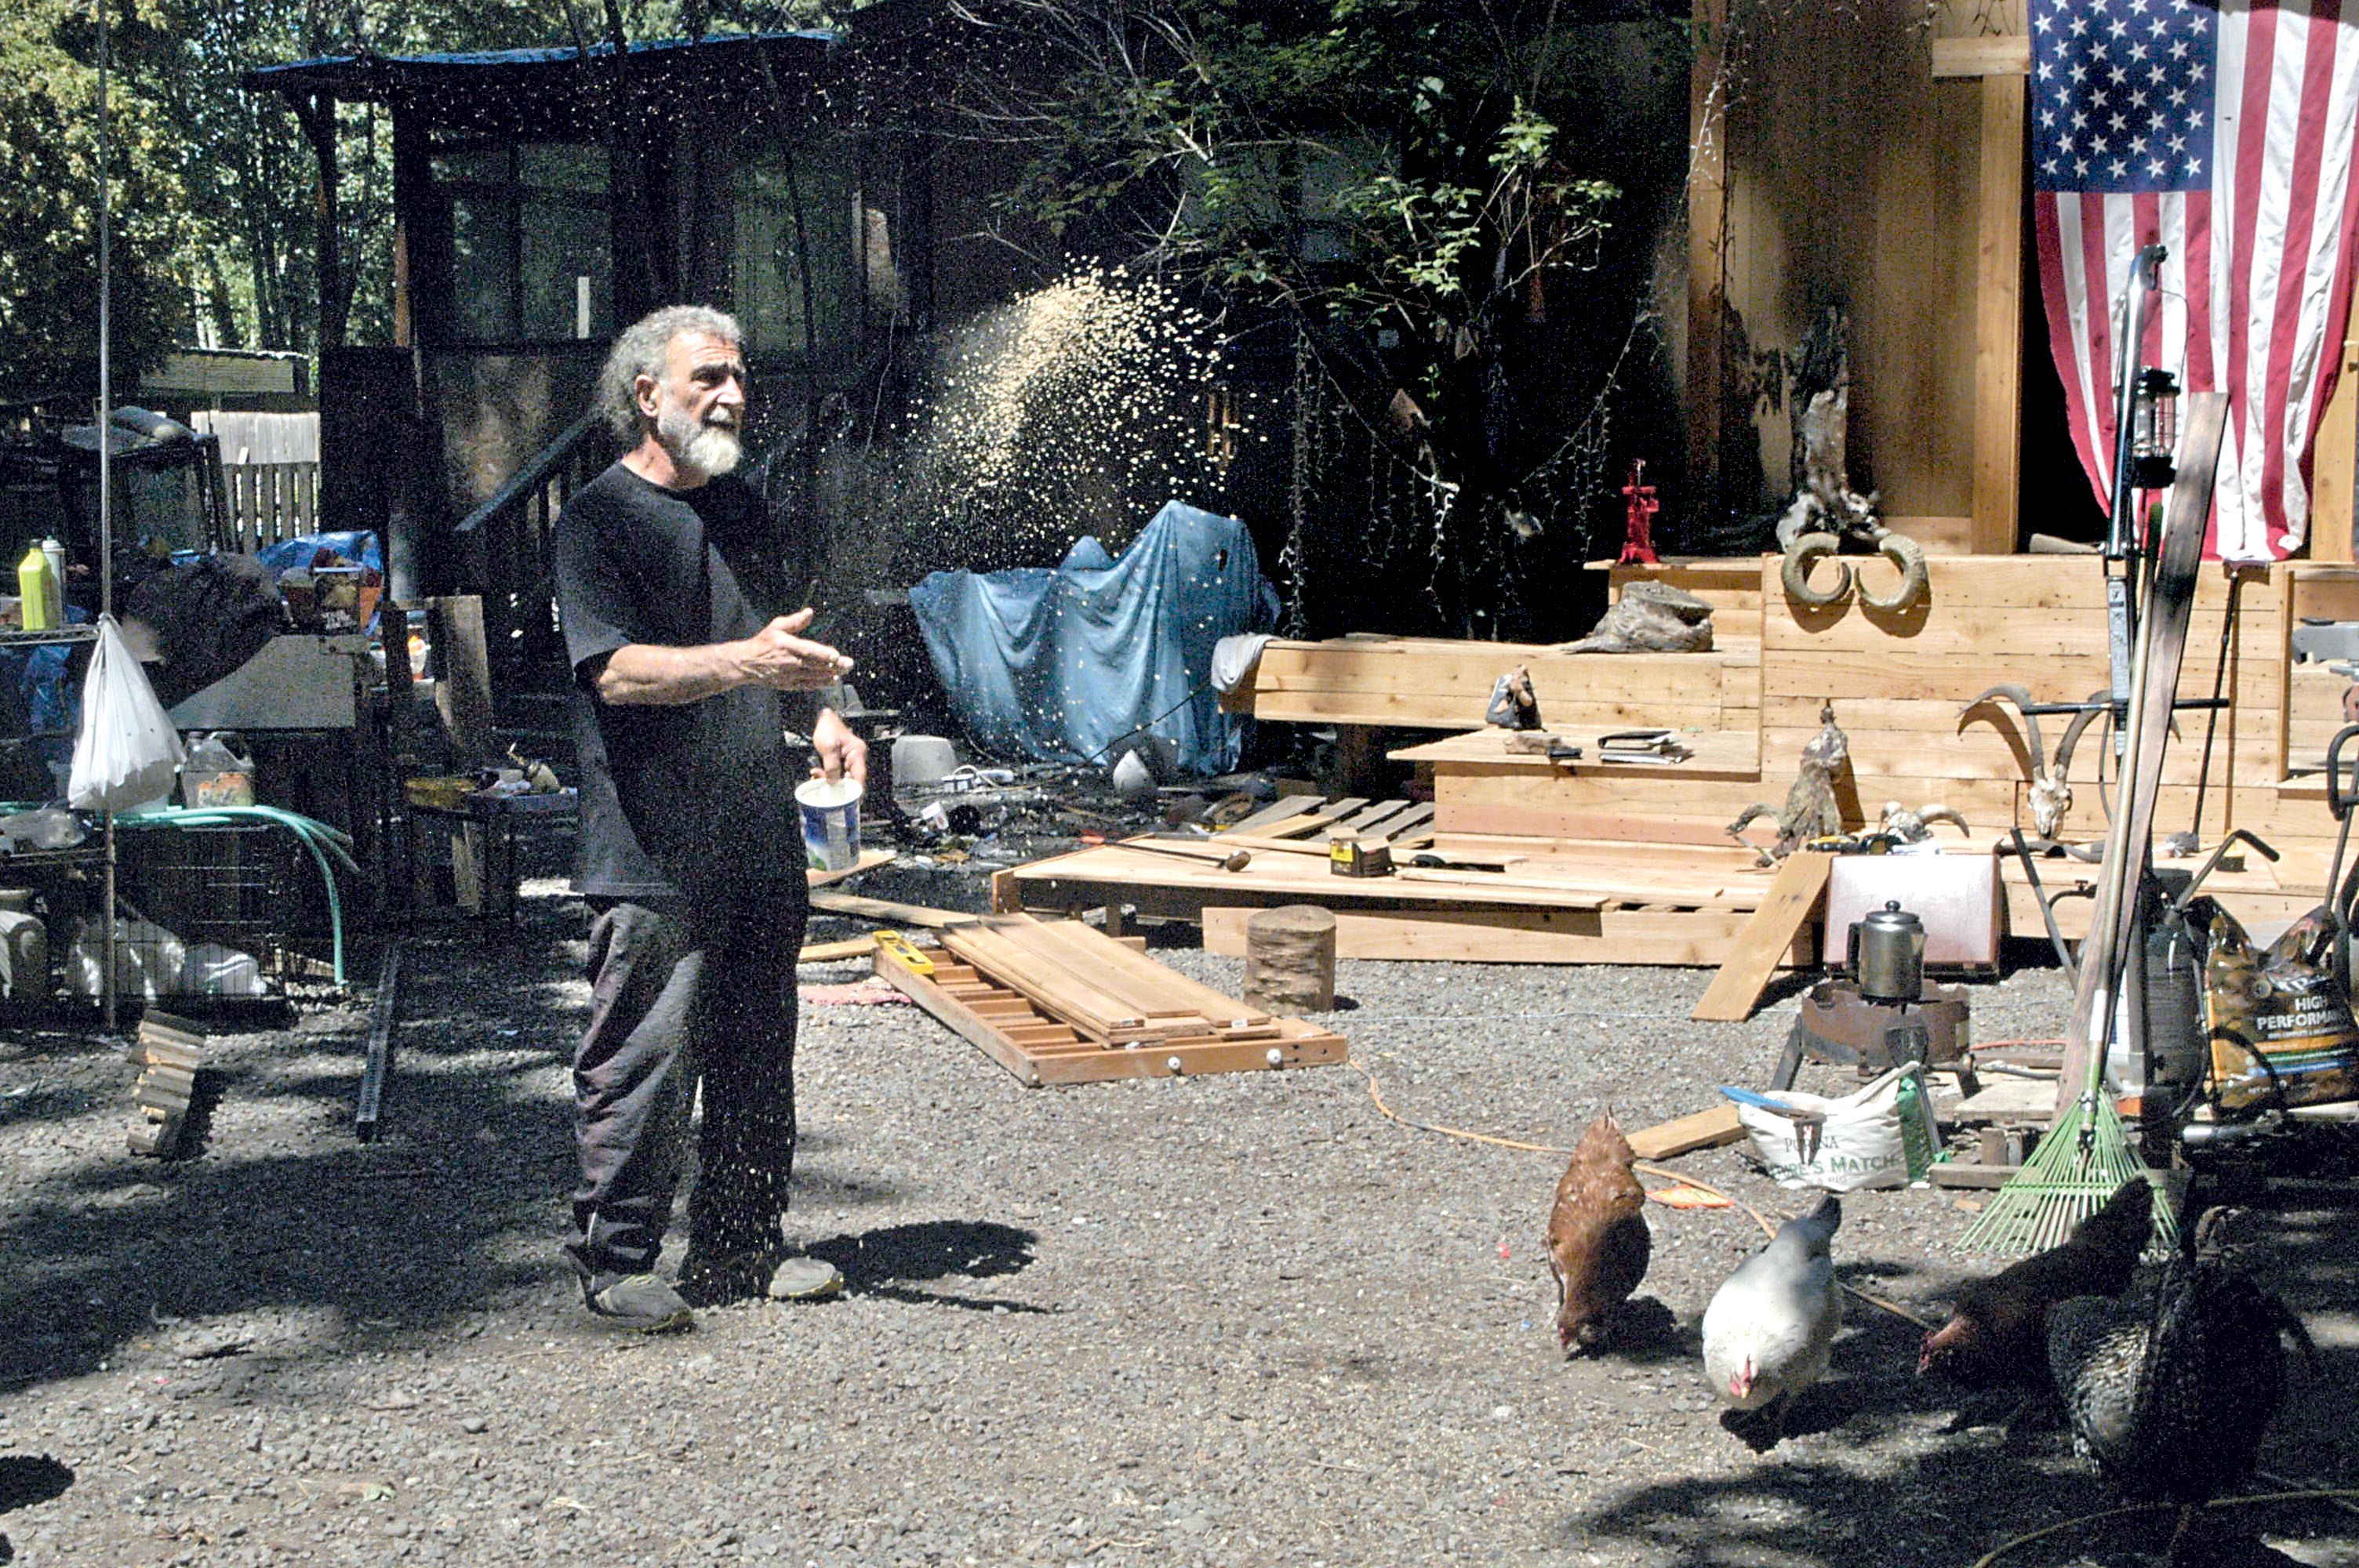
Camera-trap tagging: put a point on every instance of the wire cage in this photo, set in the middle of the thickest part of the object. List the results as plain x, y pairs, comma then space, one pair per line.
243, 885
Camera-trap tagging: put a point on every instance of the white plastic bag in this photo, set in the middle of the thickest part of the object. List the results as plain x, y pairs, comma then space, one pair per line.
127, 751
1857, 1145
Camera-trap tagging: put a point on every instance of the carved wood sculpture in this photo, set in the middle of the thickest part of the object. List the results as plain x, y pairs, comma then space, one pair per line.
1650, 618
1811, 811
1826, 514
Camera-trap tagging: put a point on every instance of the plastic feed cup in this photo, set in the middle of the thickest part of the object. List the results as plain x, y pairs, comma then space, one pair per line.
831, 817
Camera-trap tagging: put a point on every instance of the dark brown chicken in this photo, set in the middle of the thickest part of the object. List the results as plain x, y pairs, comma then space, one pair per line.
1597, 1238
1997, 1334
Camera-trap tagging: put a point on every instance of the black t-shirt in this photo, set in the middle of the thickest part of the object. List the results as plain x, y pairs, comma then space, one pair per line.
696, 798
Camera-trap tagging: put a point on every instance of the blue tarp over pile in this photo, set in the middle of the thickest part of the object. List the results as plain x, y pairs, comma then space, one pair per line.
1057, 664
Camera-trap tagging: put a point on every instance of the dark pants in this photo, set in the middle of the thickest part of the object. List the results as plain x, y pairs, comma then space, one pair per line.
684, 994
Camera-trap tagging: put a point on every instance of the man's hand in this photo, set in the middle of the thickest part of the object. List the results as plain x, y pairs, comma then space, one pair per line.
775, 657
841, 754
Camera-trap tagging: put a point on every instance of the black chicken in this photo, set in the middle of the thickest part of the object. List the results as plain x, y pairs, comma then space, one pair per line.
2171, 1389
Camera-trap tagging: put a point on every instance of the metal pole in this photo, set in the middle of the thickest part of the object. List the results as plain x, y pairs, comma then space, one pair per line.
105, 485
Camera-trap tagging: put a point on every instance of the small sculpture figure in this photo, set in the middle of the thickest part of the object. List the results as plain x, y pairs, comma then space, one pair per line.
1637, 522
1811, 811
1513, 704
1826, 514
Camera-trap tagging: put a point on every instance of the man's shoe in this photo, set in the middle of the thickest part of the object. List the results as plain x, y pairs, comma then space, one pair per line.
762, 1271
639, 1303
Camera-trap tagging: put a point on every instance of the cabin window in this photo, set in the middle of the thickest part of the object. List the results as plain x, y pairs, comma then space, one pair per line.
766, 260
531, 253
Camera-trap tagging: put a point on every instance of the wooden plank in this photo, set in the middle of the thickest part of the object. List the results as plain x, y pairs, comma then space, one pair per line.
1039, 1053
1072, 948
887, 909
1703, 1129
2003, 57
969, 1025
1795, 892
462, 693
1694, 938
377, 1066
1176, 990
1270, 815
869, 860
1395, 830
1998, 307
1366, 819
836, 952
1055, 992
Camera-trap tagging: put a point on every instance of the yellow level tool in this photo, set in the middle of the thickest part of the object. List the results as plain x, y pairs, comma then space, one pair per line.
904, 952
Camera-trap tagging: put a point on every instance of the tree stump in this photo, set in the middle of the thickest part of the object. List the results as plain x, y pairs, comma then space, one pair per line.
1290, 959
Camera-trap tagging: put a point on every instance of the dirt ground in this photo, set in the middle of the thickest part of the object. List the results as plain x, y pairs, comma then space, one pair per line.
1235, 1320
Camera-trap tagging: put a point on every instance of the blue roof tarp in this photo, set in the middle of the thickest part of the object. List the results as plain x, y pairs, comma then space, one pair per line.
1057, 665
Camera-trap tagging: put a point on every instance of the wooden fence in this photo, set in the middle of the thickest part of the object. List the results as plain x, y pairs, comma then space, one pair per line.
270, 502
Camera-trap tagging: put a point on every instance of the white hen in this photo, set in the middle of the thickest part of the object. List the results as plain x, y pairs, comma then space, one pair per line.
1771, 1323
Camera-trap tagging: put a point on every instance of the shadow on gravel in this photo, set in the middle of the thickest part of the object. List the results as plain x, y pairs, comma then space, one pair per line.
1969, 1490
25, 1480
282, 1237
1646, 1332
888, 1261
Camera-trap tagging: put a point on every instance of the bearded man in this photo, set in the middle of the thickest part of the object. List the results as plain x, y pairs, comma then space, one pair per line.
678, 602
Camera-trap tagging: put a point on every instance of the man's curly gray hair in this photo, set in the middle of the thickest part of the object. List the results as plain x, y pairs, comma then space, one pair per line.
640, 351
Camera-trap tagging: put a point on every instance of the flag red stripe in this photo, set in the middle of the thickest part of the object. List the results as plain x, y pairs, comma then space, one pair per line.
2145, 229
2107, 370
2301, 217
2252, 139
2202, 374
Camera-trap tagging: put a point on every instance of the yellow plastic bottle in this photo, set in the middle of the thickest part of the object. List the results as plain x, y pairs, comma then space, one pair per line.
37, 587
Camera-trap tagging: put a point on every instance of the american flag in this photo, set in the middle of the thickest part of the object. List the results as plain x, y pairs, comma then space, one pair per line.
2225, 129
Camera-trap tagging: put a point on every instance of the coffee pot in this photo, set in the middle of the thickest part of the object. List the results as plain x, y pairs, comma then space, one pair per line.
1887, 954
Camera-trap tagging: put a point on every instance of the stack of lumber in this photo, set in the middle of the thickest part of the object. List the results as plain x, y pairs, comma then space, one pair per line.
167, 1051
1632, 864
1901, 685
1439, 684
1493, 900
1056, 1001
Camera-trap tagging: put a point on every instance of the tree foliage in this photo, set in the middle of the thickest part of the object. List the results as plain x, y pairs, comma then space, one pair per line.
216, 189
1420, 185
49, 189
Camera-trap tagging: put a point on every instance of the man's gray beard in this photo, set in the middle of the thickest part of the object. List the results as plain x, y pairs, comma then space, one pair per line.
708, 451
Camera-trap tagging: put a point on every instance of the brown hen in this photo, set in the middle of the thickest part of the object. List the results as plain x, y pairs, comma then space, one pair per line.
1997, 1334
1597, 1238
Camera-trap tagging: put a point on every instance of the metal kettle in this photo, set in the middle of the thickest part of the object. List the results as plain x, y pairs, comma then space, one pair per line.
1887, 954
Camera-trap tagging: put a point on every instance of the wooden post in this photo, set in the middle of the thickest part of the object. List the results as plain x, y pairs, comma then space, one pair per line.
1707, 252
1290, 959
1998, 318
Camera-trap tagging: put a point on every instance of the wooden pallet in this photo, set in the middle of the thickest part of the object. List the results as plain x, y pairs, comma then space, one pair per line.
1558, 901
1058, 1002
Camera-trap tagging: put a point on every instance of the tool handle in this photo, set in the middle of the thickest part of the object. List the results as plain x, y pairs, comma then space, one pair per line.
2338, 798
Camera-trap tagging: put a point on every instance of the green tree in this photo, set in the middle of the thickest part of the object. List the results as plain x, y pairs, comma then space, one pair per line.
49, 189
1419, 185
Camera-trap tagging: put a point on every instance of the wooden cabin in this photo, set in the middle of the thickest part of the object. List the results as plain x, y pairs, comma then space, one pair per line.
543, 198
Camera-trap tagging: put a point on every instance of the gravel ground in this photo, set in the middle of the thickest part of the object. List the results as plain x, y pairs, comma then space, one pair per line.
1233, 1320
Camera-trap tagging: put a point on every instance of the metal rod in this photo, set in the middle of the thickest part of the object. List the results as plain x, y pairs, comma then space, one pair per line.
105, 487
2211, 725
